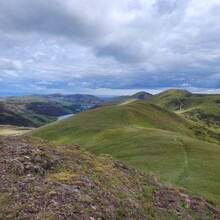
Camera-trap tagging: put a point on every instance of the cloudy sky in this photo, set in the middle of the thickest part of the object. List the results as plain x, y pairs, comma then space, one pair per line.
109, 47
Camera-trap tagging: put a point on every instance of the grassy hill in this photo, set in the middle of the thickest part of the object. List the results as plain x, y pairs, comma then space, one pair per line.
201, 108
149, 138
41, 180
38, 110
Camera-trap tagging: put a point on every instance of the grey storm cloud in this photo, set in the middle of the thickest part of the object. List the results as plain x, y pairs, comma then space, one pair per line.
47, 17
108, 44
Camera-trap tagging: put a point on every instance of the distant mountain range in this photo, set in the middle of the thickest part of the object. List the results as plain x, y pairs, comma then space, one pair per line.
38, 110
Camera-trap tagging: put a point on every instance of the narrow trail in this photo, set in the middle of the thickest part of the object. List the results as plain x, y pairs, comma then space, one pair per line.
127, 102
184, 170
184, 151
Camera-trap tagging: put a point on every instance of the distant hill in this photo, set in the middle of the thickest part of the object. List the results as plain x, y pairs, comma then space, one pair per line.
76, 98
8, 117
201, 108
149, 138
57, 97
141, 95
37, 110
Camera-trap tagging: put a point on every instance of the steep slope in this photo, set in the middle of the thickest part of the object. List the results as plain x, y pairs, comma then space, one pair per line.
8, 117
201, 108
19, 114
47, 181
146, 137
38, 110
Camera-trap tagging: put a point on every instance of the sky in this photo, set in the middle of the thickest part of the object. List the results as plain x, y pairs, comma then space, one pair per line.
105, 47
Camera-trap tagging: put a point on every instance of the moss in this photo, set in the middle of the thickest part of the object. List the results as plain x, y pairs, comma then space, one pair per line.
5, 198
86, 198
59, 168
72, 207
64, 177
145, 192
119, 214
46, 216
150, 210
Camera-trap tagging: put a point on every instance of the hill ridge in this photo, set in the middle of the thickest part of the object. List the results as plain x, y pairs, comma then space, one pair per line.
200, 108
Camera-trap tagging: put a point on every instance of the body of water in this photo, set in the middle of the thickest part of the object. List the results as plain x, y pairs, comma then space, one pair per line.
64, 116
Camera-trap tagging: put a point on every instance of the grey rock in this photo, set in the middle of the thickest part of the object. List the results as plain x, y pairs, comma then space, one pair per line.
20, 169
39, 169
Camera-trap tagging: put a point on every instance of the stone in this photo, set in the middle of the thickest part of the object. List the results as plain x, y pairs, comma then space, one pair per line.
20, 169
39, 169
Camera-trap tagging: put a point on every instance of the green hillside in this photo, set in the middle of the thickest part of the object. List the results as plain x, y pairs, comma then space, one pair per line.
149, 138
201, 108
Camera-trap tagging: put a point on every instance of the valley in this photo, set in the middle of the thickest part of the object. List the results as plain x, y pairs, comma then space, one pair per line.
38, 110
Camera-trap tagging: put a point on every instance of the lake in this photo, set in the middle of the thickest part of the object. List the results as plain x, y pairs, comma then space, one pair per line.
64, 116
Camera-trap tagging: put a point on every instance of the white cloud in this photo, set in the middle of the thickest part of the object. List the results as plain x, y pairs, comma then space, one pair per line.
186, 85
44, 82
